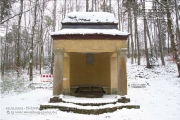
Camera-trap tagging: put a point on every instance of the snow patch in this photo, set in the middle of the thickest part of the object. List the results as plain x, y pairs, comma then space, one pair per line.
89, 17
90, 31
160, 100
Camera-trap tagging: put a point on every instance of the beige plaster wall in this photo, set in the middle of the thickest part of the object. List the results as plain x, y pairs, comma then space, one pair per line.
97, 74
90, 45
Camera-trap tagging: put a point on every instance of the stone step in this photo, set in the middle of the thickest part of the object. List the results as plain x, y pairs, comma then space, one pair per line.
89, 108
108, 103
91, 104
58, 100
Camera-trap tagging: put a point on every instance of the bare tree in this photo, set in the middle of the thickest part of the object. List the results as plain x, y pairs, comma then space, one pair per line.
136, 29
41, 37
76, 6
95, 5
131, 31
32, 42
87, 5
54, 28
160, 30
110, 6
177, 23
119, 14
160, 42
170, 29
18, 39
104, 5
145, 38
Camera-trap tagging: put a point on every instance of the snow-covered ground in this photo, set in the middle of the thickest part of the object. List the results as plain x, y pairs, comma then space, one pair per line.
159, 100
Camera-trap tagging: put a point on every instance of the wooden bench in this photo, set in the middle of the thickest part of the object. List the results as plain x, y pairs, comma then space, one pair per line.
89, 91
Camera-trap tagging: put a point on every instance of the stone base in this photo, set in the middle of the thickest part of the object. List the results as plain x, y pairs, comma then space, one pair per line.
60, 103
55, 100
124, 100
88, 111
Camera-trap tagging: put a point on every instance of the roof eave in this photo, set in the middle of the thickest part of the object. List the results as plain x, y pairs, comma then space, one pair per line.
89, 37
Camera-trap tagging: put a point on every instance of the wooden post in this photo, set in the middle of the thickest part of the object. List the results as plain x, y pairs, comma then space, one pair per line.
121, 71
58, 72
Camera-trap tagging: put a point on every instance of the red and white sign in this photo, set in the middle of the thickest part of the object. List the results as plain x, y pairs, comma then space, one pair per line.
46, 78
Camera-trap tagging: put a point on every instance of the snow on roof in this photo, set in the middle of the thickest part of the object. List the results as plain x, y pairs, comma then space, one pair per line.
89, 17
90, 31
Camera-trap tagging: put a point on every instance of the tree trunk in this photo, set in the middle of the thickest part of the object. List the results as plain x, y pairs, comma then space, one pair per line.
173, 44
54, 28
177, 25
32, 43
128, 40
119, 15
160, 42
159, 33
104, 5
92, 8
110, 6
3, 55
155, 37
145, 40
2, 60
169, 43
41, 39
136, 31
65, 2
18, 40
148, 34
132, 41
87, 5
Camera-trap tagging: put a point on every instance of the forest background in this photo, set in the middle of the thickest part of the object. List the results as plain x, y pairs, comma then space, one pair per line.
25, 27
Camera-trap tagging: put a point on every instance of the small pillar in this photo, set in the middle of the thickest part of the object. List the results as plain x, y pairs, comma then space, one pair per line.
114, 74
58, 72
121, 71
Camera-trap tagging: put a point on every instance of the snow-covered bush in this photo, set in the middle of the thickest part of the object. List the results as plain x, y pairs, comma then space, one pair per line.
11, 84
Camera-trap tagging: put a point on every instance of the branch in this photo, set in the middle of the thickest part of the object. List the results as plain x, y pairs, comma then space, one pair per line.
161, 4
15, 16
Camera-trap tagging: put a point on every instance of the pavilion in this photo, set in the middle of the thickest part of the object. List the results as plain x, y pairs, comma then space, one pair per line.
89, 50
